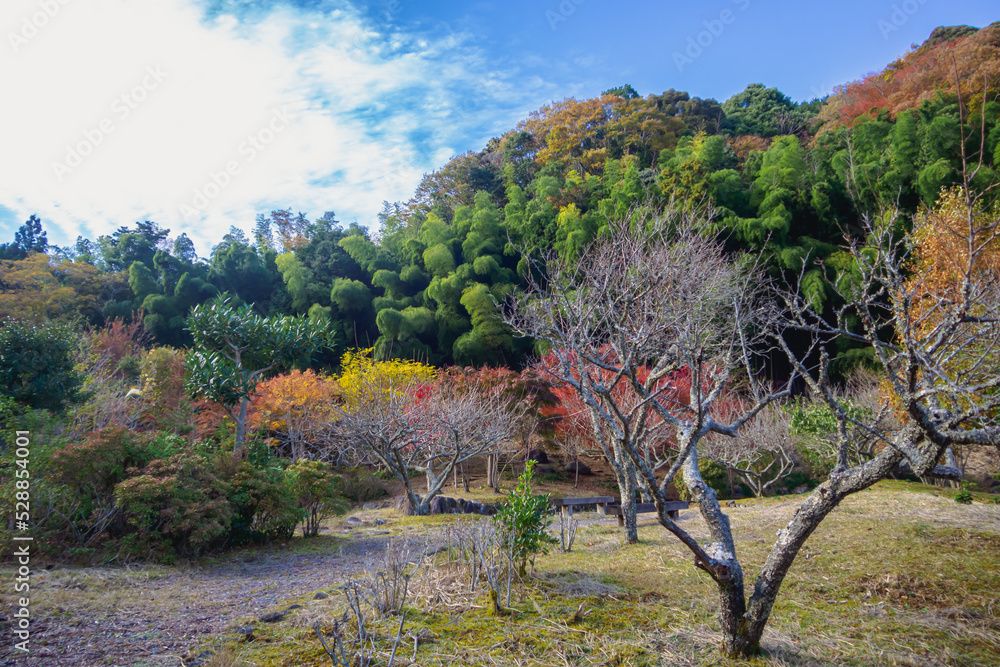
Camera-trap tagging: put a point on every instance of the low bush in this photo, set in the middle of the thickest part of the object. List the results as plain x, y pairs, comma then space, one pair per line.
264, 505
176, 506
154, 495
316, 490
523, 518
82, 477
94, 466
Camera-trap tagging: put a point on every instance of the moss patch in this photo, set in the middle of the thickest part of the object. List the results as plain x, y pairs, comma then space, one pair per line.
893, 576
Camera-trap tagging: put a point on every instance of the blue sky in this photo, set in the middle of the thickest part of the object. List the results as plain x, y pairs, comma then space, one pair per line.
199, 114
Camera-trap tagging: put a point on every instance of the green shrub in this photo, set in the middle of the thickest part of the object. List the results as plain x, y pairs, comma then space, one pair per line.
963, 497
177, 505
94, 466
82, 477
714, 474
36, 364
8, 413
317, 491
522, 519
264, 505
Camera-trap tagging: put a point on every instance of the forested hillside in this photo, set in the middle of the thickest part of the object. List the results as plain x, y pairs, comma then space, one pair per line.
665, 302
782, 178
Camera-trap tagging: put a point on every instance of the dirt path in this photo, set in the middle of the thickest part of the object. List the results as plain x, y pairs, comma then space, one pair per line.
152, 615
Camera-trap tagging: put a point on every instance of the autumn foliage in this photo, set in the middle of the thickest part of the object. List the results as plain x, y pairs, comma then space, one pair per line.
585, 133
362, 373
40, 287
921, 75
297, 405
943, 246
570, 417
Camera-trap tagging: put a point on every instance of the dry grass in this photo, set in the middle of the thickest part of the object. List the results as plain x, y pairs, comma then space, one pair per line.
229, 656
896, 576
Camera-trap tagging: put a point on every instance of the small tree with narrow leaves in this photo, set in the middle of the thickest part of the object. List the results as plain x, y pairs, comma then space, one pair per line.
234, 348
523, 519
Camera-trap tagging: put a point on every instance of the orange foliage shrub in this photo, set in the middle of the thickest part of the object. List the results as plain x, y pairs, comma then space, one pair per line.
297, 405
745, 144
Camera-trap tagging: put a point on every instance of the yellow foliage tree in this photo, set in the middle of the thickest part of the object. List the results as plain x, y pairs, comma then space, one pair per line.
29, 290
41, 288
362, 374
948, 244
954, 279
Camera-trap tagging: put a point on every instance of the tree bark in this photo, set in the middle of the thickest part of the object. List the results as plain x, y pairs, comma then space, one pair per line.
737, 642
241, 420
492, 472
742, 622
626, 487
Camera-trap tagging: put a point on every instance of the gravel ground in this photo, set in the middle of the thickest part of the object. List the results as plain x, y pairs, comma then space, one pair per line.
148, 616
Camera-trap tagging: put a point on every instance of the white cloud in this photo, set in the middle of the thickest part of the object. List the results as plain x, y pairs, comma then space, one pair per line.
372, 105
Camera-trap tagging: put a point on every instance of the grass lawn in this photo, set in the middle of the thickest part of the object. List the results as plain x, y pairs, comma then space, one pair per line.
897, 575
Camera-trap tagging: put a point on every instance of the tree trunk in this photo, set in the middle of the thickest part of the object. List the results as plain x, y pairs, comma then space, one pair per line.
421, 506
737, 639
809, 515
492, 472
241, 420
626, 486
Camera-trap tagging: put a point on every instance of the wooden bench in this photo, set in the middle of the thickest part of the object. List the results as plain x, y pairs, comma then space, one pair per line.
609, 506
673, 508
566, 505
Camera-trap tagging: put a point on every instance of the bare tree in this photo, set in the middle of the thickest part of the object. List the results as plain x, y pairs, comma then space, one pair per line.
939, 350
571, 444
633, 420
429, 429
760, 454
657, 303
662, 297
